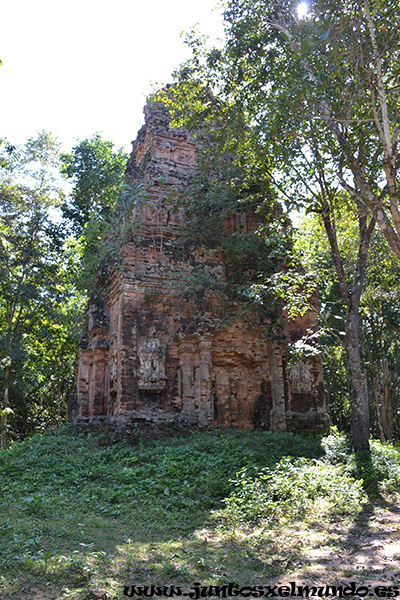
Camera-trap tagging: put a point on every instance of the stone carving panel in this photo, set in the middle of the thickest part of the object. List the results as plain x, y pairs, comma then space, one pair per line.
301, 377
151, 353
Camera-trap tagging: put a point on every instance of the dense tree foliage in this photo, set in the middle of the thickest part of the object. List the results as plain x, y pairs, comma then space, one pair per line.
324, 89
50, 245
96, 172
38, 307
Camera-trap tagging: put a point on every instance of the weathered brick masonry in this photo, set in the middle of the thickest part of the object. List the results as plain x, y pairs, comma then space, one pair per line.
154, 353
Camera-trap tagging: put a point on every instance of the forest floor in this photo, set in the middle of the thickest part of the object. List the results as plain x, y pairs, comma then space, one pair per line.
81, 520
367, 552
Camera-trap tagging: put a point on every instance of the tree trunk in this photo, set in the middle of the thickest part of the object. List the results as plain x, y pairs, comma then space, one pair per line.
58, 393
359, 402
351, 297
384, 400
4, 412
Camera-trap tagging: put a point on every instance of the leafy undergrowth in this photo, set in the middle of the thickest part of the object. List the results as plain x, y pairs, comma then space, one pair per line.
213, 507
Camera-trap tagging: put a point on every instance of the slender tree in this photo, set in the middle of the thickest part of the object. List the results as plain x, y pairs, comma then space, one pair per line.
379, 317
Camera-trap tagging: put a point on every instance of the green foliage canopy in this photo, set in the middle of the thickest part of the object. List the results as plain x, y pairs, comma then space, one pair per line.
319, 93
96, 172
37, 331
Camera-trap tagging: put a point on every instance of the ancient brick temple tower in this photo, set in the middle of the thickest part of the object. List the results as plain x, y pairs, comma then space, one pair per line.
155, 353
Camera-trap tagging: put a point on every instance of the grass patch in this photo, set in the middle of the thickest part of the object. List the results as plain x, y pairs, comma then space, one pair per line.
211, 507
301, 488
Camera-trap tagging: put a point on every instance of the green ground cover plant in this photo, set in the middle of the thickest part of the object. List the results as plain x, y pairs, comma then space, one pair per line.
211, 507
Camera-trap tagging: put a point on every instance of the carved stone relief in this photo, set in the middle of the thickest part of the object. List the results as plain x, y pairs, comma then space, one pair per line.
151, 375
301, 377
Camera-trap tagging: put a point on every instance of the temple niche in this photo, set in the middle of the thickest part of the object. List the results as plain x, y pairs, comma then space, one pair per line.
154, 353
